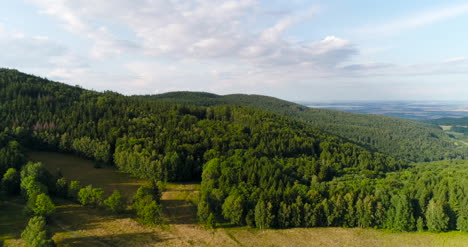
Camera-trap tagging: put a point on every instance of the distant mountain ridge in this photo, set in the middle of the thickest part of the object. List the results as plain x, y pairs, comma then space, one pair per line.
401, 138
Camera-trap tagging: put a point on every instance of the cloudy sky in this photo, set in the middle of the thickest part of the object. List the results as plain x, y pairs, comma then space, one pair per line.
296, 49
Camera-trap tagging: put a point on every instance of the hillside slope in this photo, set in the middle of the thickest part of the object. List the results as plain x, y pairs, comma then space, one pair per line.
165, 141
256, 168
400, 138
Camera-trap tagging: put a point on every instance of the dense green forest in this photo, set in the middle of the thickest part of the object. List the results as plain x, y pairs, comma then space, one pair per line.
459, 125
400, 138
256, 168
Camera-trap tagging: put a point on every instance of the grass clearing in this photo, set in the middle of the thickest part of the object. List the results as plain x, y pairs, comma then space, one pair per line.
12, 221
76, 168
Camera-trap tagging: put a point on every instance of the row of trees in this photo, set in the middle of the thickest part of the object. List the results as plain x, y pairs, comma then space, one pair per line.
269, 195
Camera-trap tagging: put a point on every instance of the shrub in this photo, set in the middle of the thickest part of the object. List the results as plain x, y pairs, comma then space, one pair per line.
115, 203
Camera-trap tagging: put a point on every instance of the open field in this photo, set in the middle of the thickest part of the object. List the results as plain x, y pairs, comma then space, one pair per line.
75, 225
76, 168
12, 220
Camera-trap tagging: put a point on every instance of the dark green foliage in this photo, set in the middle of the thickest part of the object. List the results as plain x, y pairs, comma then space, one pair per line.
11, 152
145, 203
400, 138
151, 213
74, 189
400, 215
264, 215
38, 171
36, 235
257, 168
11, 181
61, 188
115, 203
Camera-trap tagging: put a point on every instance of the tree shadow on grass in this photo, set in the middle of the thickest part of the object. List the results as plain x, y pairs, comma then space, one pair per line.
113, 240
179, 212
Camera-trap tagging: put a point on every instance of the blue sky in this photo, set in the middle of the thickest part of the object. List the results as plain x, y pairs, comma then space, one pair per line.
295, 50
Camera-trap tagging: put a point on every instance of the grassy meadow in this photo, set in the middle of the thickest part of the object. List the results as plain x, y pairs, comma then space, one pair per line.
74, 225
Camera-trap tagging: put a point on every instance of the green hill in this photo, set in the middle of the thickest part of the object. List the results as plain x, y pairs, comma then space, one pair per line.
400, 138
257, 168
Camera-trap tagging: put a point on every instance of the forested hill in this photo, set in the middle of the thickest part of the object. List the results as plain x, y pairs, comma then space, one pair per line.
450, 121
256, 168
171, 142
400, 138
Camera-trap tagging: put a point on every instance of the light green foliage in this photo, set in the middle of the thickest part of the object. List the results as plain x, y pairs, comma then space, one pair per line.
146, 205
37, 171
35, 234
211, 221
233, 209
115, 203
437, 219
43, 206
11, 152
420, 224
30, 188
462, 221
90, 196
11, 181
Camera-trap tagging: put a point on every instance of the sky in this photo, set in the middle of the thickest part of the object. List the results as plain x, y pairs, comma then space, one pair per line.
299, 50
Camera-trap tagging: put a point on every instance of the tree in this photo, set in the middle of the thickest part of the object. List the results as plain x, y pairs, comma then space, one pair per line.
462, 221
85, 195
38, 171
115, 202
11, 181
437, 219
403, 213
43, 206
97, 197
30, 188
420, 224
233, 209
263, 215
35, 234
211, 222
151, 213
90, 196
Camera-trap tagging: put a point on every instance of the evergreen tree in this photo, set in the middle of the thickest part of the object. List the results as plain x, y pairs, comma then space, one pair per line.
462, 221
437, 219
263, 215
36, 235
